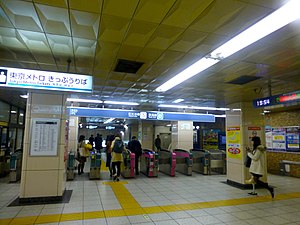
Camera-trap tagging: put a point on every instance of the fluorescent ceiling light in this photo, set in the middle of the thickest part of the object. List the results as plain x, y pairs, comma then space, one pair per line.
109, 120
24, 96
220, 116
234, 110
193, 107
189, 72
121, 103
278, 19
83, 100
178, 100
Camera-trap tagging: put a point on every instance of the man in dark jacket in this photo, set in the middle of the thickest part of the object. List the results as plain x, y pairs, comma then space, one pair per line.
135, 147
98, 142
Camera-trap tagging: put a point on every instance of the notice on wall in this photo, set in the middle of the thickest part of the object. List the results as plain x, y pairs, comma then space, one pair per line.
233, 135
44, 137
253, 131
269, 138
278, 138
292, 138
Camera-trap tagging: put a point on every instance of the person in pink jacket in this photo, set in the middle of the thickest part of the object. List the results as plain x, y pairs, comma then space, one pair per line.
257, 167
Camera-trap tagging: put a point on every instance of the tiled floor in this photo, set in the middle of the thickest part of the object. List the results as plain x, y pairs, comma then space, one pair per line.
166, 200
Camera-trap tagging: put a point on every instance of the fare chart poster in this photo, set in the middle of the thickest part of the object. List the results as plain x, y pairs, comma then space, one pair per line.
233, 135
44, 137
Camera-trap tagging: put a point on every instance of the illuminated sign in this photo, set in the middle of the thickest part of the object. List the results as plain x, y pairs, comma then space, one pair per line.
262, 102
132, 114
277, 100
36, 79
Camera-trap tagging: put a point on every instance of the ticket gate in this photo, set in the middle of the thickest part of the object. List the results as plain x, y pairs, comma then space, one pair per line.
149, 163
167, 162
15, 167
184, 161
70, 166
128, 166
200, 161
95, 159
217, 162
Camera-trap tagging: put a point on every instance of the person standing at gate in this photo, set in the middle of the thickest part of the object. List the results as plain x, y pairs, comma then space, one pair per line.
98, 142
135, 147
157, 143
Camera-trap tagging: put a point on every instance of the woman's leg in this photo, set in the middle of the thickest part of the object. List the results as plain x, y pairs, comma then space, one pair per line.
119, 169
264, 185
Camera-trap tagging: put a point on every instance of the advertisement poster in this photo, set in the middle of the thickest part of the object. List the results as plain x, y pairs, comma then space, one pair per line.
210, 138
292, 138
44, 137
253, 131
269, 139
234, 143
278, 138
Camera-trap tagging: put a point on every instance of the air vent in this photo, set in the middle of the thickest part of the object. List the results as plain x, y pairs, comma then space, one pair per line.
243, 80
128, 66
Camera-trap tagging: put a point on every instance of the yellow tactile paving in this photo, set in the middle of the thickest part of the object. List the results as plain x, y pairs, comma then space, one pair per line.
71, 216
124, 197
93, 215
48, 219
23, 220
129, 209
5, 221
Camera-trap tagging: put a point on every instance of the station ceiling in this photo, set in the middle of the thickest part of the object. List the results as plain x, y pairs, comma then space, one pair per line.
93, 37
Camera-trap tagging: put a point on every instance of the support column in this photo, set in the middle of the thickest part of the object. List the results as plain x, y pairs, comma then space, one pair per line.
45, 140
182, 135
240, 125
146, 133
73, 134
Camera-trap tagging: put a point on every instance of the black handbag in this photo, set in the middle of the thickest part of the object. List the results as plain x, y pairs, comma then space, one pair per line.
248, 161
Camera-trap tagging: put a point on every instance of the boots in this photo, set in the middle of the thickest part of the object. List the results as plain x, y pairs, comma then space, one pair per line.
250, 181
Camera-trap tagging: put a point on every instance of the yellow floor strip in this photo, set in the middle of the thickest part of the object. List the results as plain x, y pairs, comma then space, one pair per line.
131, 207
124, 197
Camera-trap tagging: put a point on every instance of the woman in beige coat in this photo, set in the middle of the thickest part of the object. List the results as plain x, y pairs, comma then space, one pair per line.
257, 167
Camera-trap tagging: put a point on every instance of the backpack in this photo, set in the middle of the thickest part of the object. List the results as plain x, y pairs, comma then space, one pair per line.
118, 146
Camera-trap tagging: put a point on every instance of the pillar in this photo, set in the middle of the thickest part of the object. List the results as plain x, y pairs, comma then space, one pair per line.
146, 134
241, 124
73, 133
45, 141
182, 135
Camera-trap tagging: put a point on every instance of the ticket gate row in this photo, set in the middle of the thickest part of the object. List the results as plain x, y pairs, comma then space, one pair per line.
167, 162
184, 161
209, 161
149, 163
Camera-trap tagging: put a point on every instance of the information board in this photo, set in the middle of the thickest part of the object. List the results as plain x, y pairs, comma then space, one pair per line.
44, 137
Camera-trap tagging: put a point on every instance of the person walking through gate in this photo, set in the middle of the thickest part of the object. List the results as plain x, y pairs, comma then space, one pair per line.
135, 147
117, 147
157, 143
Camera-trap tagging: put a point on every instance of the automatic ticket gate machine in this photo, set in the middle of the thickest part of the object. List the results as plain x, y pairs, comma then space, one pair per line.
15, 167
184, 161
149, 163
167, 162
127, 170
201, 160
95, 165
70, 166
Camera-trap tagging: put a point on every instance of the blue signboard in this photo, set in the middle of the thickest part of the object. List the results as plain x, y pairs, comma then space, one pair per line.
47, 80
133, 114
